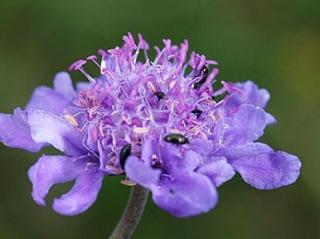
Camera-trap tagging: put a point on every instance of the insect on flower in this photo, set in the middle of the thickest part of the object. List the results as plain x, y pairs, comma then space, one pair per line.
176, 139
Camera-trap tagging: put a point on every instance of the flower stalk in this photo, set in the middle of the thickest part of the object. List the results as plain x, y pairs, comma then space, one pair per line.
132, 214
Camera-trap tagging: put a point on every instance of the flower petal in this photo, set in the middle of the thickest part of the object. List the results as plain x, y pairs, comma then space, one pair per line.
153, 147
63, 85
149, 148
44, 98
237, 151
270, 118
218, 171
189, 161
51, 170
83, 193
82, 86
49, 128
15, 131
246, 125
141, 173
186, 195
202, 146
268, 170
249, 94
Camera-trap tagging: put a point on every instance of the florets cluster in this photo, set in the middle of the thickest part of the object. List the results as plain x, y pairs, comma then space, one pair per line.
155, 121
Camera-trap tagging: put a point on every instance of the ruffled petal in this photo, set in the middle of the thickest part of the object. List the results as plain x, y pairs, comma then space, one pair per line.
219, 171
51, 170
246, 125
153, 147
149, 148
268, 170
63, 85
141, 173
83, 193
82, 86
270, 118
202, 146
237, 151
48, 128
44, 98
188, 162
186, 195
249, 94
191, 160
15, 131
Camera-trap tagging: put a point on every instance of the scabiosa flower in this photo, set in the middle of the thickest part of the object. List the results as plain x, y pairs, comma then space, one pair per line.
155, 121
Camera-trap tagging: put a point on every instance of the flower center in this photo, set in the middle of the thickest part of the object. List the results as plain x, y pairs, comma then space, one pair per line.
132, 101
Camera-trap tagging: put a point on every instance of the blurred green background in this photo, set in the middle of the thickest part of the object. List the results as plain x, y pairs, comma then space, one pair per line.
276, 43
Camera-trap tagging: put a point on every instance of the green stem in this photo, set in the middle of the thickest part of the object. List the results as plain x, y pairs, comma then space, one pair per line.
132, 214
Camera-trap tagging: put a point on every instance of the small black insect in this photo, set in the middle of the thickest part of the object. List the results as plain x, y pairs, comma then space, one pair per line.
176, 139
196, 112
124, 154
204, 73
159, 94
197, 85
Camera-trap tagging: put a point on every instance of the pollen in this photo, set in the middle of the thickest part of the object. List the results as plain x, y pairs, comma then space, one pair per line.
140, 130
127, 182
68, 117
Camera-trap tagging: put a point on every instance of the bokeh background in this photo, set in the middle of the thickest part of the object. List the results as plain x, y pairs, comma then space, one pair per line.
276, 43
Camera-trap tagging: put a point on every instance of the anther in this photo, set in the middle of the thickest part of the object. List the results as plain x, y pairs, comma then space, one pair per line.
71, 120
77, 65
151, 87
93, 58
127, 182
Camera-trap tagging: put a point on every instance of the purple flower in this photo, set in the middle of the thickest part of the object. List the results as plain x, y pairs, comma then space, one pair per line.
155, 121
171, 176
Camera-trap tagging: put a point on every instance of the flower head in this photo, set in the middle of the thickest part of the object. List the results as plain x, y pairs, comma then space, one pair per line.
155, 121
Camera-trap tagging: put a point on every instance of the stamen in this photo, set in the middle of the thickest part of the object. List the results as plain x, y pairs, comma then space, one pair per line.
142, 43
140, 130
151, 87
102, 53
167, 43
172, 84
211, 62
77, 65
93, 58
146, 56
230, 87
146, 102
108, 72
68, 117
87, 148
87, 75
